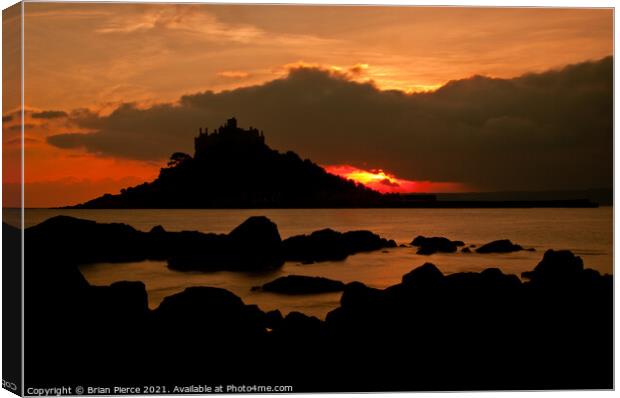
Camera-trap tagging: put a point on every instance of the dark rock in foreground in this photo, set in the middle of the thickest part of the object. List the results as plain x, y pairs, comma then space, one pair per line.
296, 326
298, 284
427, 274
327, 244
561, 268
517, 335
202, 312
433, 245
499, 246
463, 331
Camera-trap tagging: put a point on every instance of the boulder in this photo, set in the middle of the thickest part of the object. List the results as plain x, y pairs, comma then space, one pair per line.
423, 275
499, 246
158, 229
258, 234
208, 311
357, 296
273, 319
296, 325
431, 245
76, 241
556, 267
327, 244
124, 301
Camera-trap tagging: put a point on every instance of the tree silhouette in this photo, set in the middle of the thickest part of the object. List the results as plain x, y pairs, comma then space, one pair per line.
178, 158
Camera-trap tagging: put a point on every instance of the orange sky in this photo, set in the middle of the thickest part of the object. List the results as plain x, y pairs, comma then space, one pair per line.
97, 56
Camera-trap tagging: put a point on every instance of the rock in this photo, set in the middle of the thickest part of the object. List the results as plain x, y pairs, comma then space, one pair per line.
356, 295
208, 311
297, 284
466, 250
556, 267
258, 234
296, 325
273, 319
433, 245
328, 244
254, 245
497, 279
203, 300
76, 241
423, 275
121, 300
499, 246
158, 229
130, 296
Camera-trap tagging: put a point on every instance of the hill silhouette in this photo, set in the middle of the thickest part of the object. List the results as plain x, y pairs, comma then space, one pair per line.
233, 167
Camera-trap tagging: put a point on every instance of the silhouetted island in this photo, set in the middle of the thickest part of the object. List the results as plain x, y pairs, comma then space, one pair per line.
233, 168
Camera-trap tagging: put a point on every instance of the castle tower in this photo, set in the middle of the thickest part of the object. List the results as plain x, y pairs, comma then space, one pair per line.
231, 123
227, 136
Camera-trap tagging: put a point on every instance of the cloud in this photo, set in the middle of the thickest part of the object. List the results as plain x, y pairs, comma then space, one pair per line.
234, 74
18, 127
49, 114
389, 183
180, 19
548, 130
18, 141
69, 140
199, 24
358, 69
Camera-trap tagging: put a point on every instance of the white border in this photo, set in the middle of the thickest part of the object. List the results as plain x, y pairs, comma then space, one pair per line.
478, 3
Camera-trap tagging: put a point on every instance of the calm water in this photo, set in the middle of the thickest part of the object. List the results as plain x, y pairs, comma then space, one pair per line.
587, 232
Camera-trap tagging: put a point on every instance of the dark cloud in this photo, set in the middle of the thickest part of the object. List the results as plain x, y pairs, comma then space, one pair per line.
18, 127
69, 140
18, 141
49, 114
539, 131
389, 183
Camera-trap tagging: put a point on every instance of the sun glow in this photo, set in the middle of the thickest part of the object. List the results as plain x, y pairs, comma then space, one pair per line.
385, 182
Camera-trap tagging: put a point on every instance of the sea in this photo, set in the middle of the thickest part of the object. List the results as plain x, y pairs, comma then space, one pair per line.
586, 232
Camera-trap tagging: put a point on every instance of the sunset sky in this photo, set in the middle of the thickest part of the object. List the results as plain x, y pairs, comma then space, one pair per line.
112, 89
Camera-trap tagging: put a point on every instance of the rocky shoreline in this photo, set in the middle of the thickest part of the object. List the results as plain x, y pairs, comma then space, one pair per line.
252, 246
463, 331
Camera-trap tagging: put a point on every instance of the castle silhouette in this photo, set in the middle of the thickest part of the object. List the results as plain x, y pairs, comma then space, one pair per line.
228, 134
233, 167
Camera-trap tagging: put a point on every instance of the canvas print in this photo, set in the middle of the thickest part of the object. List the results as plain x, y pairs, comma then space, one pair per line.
221, 198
